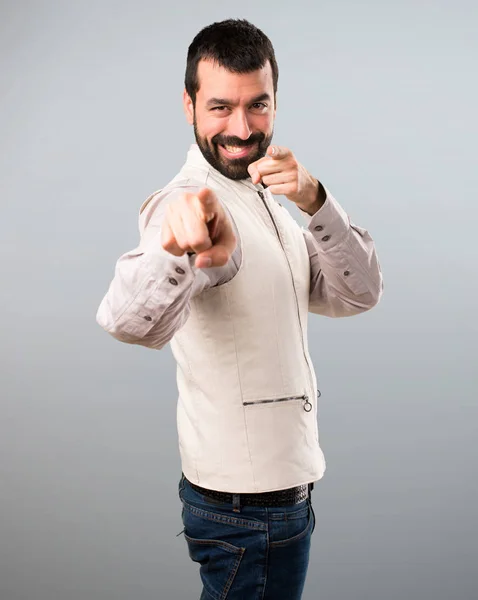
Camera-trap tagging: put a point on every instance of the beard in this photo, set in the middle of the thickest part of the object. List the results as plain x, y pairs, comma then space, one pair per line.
232, 168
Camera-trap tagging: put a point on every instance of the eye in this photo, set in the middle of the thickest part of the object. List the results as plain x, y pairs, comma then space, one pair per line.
219, 108
259, 106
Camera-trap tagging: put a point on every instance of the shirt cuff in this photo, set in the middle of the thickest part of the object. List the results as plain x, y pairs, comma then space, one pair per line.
179, 272
165, 279
330, 224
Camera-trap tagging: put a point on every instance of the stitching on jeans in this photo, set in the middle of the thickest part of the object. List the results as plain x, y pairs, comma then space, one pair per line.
313, 514
238, 552
229, 547
297, 537
232, 575
219, 518
289, 516
225, 519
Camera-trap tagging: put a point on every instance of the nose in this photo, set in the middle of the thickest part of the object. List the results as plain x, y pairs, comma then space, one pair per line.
238, 125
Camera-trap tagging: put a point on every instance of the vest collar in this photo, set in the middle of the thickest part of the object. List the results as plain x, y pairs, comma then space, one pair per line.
196, 159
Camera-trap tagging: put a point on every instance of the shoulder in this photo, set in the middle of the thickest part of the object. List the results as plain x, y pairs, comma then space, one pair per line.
155, 204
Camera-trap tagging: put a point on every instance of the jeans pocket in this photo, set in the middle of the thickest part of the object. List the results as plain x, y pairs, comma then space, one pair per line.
219, 562
313, 516
181, 486
292, 530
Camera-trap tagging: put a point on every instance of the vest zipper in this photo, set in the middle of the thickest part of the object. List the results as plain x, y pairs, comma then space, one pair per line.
261, 195
307, 405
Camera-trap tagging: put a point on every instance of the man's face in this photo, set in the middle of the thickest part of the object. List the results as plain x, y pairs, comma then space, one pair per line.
233, 117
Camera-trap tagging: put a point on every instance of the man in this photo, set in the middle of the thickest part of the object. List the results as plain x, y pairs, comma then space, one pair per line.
224, 273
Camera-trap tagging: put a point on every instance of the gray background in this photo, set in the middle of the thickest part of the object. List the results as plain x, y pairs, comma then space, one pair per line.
378, 99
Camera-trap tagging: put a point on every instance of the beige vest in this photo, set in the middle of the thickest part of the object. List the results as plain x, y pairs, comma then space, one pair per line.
247, 407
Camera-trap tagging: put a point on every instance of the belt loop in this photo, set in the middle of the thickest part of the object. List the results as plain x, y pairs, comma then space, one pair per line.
236, 503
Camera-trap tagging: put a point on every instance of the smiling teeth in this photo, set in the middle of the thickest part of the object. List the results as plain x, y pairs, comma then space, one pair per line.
234, 149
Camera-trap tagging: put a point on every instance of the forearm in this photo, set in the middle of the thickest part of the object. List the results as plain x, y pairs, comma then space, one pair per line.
148, 298
345, 276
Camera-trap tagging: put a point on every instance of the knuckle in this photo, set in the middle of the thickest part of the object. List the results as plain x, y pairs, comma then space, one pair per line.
172, 249
196, 241
183, 245
168, 242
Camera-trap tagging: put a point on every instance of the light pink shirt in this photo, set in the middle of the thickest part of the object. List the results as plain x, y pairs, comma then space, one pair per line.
148, 298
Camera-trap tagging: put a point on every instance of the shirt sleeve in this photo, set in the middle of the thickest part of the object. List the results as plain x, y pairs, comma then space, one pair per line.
345, 274
148, 300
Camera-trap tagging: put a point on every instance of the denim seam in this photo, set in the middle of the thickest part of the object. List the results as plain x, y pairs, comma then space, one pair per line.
233, 574
313, 514
210, 516
234, 550
290, 516
297, 537
229, 547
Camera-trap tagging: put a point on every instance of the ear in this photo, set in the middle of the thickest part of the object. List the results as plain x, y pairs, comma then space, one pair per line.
188, 107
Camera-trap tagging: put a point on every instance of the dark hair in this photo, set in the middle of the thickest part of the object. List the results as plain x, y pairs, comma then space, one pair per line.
234, 44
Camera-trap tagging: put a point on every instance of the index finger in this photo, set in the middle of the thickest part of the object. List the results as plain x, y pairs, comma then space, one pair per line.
222, 249
208, 203
278, 152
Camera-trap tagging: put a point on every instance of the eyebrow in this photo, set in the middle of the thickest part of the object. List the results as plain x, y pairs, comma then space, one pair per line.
223, 101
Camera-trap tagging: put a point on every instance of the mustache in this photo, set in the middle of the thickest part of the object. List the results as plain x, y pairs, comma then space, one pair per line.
238, 142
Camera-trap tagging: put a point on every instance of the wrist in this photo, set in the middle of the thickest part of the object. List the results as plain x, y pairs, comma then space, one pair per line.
315, 199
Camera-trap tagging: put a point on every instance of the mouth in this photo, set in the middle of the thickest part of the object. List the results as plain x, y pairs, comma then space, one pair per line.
236, 151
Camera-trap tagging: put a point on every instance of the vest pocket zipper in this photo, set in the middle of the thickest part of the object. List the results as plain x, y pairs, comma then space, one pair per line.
307, 405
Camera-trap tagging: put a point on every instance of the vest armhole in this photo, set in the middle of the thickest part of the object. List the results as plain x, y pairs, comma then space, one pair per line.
148, 200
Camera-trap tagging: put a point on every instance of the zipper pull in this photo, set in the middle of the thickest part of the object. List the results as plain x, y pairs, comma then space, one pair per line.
261, 195
307, 404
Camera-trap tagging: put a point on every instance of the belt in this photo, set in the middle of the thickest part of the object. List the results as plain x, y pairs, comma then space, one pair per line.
287, 497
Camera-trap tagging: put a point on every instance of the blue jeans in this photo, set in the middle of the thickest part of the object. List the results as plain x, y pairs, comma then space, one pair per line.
260, 553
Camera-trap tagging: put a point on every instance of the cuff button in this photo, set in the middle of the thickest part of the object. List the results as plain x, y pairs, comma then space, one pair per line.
173, 281
326, 238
